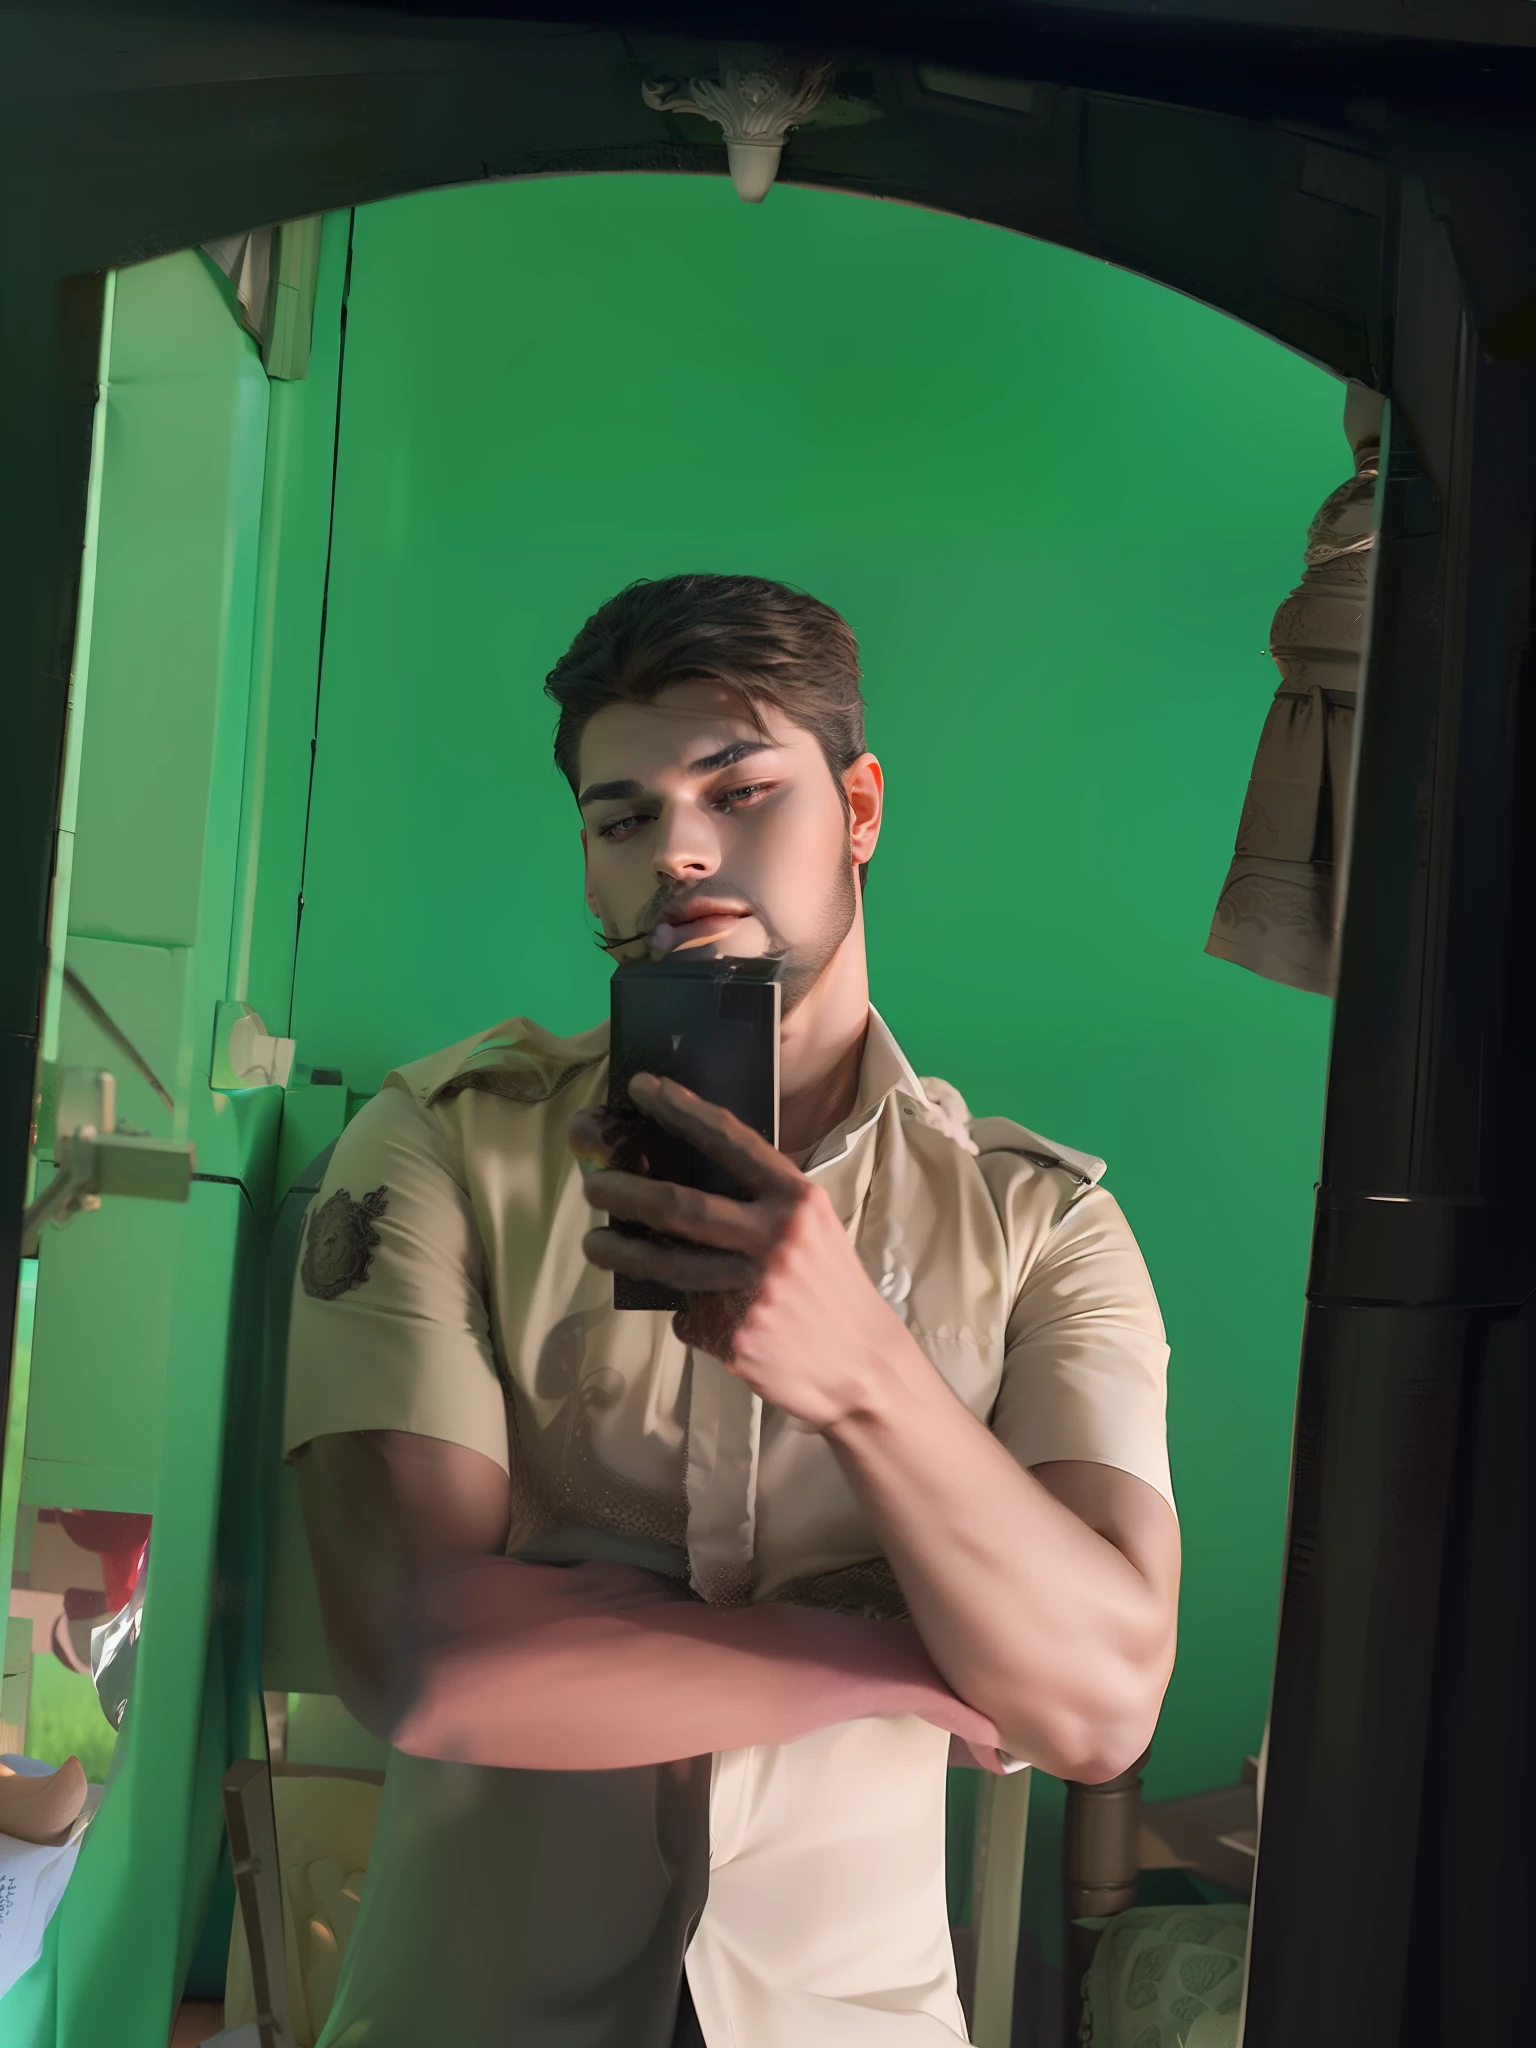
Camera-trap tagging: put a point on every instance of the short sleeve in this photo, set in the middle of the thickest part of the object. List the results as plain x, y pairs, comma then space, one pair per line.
1085, 1370
390, 1328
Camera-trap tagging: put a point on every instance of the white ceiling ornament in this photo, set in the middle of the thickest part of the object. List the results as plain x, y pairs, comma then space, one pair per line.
755, 110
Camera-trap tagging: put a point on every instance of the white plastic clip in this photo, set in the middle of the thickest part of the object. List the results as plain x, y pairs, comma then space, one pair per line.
245, 1053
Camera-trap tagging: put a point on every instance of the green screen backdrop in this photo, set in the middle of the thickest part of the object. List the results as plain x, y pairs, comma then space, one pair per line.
1058, 505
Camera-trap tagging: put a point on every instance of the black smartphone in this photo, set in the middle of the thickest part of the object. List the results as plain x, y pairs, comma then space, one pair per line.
712, 1025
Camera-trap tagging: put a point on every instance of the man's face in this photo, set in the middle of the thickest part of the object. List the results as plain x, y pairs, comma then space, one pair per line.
703, 831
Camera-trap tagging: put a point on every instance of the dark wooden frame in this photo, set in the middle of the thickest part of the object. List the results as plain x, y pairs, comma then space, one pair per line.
1357, 178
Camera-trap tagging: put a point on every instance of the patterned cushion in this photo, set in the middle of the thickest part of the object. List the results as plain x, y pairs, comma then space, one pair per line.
1167, 1977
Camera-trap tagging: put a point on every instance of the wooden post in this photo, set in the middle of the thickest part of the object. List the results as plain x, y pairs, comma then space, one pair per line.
997, 1895
259, 1885
1099, 1870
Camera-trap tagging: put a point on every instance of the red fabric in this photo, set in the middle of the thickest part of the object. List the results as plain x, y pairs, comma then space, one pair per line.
117, 1539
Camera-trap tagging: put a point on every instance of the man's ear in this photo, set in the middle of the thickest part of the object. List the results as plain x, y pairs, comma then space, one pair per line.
864, 787
586, 871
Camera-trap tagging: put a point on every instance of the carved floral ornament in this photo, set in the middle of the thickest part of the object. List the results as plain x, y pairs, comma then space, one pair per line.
754, 110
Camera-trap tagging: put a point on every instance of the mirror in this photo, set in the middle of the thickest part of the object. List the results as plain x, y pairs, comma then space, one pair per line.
260, 1098
1057, 502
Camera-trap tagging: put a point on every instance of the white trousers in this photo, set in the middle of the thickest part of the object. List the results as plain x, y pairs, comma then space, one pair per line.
826, 1924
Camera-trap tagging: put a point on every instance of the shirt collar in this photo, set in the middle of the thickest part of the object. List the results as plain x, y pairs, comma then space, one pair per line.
884, 1071
521, 1059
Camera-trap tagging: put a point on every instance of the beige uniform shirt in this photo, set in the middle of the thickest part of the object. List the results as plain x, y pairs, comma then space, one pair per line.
442, 1289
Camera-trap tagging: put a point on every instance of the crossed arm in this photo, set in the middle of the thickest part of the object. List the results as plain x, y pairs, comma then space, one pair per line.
446, 1648
1043, 1602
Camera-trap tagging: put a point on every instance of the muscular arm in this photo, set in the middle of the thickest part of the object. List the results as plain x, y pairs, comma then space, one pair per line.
382, 1509
1047, 1599
448, 1649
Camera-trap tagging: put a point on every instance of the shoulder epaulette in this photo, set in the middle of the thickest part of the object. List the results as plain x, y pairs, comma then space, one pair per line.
518, 1059
1001, 1134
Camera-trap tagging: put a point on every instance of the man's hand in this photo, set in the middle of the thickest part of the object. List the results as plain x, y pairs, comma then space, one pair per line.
1046, 1603
775, 1288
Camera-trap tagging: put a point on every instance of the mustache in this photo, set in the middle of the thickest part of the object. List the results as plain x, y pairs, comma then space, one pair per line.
612, 945
655, 913
650, 917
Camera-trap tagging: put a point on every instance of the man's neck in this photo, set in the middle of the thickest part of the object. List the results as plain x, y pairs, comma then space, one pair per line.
821, 1049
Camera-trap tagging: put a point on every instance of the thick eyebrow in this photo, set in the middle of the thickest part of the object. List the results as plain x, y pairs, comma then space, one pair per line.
709, 764
729, 756
601, 792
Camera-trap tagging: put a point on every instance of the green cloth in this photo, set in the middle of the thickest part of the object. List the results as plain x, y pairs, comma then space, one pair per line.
1167, 1977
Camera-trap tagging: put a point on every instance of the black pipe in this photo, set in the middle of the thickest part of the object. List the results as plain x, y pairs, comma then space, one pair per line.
1390, 1832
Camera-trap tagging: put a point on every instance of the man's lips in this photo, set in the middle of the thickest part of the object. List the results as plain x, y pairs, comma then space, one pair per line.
694, 925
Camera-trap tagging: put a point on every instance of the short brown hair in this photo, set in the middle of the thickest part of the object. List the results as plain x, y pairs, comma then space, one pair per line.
775, 645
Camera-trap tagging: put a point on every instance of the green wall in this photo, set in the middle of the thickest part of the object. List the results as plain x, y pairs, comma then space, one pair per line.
146, 1312
162, 745
1058, 505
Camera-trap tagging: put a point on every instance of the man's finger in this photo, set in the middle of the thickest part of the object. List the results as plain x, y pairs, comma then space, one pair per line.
691, 1269
678, 1211
717, 1134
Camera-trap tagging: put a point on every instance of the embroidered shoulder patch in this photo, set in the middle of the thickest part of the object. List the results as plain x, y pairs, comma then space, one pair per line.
340, 1243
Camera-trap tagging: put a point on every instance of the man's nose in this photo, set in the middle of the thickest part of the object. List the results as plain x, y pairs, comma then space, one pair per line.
687, 848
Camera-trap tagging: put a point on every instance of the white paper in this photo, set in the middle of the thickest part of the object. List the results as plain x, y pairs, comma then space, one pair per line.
33, 1876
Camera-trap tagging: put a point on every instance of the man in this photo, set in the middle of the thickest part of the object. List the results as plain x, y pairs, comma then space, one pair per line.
897, 1473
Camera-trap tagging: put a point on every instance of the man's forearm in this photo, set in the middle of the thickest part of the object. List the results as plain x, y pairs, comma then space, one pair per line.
1030, 1615
521, 1666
